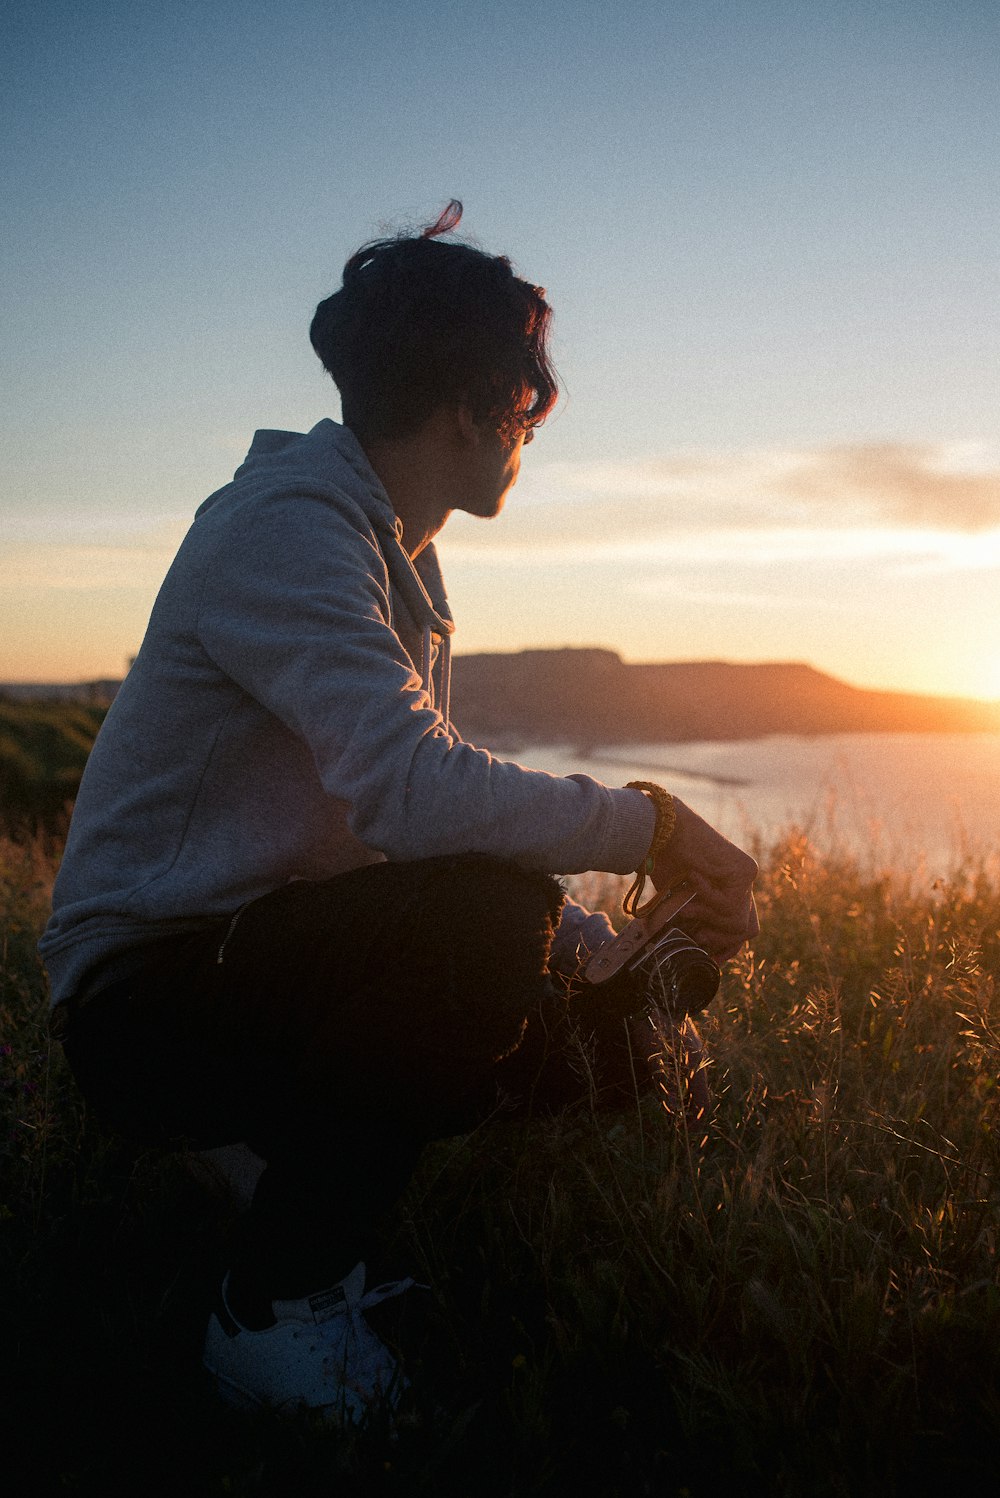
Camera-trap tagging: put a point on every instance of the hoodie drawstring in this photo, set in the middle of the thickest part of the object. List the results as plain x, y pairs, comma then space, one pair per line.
444, 706
442, 697
432, 620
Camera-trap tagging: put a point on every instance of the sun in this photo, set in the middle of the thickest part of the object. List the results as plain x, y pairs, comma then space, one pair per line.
984, 680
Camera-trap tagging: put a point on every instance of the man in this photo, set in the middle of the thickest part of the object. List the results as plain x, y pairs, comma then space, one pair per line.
295, 908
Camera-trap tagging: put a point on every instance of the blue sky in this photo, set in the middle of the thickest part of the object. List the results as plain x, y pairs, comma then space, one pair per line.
769, 233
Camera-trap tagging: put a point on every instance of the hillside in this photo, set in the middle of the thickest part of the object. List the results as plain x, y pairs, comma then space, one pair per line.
43, 748
590, 697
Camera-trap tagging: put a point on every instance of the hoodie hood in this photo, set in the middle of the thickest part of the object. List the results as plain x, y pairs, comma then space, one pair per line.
330, 454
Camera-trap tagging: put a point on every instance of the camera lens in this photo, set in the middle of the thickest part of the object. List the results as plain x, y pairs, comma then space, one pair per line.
682, 976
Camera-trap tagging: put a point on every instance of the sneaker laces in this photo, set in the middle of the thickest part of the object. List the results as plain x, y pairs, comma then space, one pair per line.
386, 1291
364, 1362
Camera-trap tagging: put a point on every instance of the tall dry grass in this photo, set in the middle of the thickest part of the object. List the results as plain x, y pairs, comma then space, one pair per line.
798, 1295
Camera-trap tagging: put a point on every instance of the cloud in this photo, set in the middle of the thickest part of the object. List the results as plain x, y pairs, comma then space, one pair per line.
909, 507
946, 487
711, 594
886, 498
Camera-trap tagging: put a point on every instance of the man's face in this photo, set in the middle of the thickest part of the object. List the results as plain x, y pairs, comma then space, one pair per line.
493, 465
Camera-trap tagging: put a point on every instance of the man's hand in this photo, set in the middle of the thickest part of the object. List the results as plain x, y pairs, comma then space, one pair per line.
722, 916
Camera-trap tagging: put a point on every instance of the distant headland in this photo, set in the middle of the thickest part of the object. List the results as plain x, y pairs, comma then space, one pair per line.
590, 697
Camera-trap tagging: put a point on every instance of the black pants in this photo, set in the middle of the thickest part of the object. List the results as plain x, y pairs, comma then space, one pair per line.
338, 1027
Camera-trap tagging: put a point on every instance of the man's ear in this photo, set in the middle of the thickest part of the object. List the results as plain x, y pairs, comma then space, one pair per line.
468, 429
453, 425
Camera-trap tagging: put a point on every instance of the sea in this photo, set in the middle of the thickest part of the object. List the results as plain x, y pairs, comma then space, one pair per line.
928, 804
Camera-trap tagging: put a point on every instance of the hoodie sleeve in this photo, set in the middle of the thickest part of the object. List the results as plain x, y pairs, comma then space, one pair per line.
296, 610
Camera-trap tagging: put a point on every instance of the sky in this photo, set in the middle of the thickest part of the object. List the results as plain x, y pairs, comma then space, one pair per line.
769, 232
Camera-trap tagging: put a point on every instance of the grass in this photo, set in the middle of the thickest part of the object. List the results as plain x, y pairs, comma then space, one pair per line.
43, 750
801, 1298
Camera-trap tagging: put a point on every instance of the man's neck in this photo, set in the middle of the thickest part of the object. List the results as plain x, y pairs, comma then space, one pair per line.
415, 474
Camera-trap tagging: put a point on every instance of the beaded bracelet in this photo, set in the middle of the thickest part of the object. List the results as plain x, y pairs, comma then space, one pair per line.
663, 831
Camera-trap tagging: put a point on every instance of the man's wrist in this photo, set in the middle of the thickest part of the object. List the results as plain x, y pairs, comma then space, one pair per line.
666, 817
663, 830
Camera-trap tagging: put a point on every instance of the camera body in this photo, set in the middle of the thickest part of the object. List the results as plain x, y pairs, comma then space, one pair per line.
654, 953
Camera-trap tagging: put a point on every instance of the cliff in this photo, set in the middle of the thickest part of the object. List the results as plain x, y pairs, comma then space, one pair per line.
589, 697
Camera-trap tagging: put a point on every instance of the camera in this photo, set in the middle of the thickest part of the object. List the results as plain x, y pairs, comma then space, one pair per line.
652, 953
680, 976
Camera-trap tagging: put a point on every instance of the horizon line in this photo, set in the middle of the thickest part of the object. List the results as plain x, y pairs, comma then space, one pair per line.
22, 685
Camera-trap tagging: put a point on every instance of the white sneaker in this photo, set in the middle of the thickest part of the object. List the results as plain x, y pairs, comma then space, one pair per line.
320, 1354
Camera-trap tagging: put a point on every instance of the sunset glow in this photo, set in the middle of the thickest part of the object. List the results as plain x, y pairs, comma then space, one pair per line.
769, 239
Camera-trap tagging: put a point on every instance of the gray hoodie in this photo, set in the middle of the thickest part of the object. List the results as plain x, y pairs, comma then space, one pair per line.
287, 718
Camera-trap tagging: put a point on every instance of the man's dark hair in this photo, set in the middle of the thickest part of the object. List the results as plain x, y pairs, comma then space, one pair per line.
420, 322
